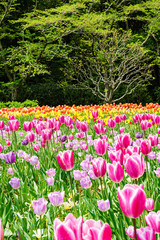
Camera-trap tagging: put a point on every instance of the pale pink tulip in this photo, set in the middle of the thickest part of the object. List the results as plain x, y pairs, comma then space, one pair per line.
149, 204
153, 221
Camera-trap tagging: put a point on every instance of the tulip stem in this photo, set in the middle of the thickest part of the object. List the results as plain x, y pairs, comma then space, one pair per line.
134, 224
147, 173
71, 185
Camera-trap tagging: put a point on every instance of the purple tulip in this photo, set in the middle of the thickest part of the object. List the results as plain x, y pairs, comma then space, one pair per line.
24, 142
51, 172
56, 198
85, 182
14, 182
39, 206
50, 181
103, 205
10, 157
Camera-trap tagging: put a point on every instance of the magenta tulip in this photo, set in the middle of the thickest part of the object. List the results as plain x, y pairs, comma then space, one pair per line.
124, 140
1, 125
84, 126
134, 165
27, 126
144, 125
115, 172
132, 200
46, 134
70, 229
95, 230
13, 125
153, 140
100, 146
95, 114
30, 136
145, 146
66, 160
99, 129
99, 167
116, 156
117, 118
153, 221
111, 123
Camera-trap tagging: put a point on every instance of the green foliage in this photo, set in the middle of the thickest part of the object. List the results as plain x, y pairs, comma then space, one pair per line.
27, 103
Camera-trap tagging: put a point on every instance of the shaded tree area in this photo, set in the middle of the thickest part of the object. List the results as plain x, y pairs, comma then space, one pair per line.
80, 52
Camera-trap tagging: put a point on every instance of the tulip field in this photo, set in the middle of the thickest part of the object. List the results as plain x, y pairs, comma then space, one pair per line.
80, 172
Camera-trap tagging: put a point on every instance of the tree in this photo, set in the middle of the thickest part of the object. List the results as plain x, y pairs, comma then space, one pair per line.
117, 62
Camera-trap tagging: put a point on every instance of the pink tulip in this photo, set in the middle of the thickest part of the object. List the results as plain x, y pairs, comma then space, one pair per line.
95, 114
117, 118
149, 204
100, 146
68, 121
123, 117
57, 125
115, 172
66, 160
99, 129
27, 126
70, 229
46, 134
30, 136
153, 221
95, 230
130, 150
158, 130
101, 121
153, 140
121, 129
111, 123
144, 125
146, 233
1, 230
145, 146
124, 140
1, 148
84, 126
116, 156
11, 117
1, 125
132, 200
78, 125
13, 125
99, 167
134, 165
61, 118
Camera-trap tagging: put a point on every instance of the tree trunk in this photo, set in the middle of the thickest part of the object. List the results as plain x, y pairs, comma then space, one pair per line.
14, 94
108, 94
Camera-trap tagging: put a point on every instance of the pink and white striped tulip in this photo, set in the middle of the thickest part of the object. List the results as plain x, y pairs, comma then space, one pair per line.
132, 200
115, 171
99, 167
146, 233
1, 125
1, 230
100, 146
111, 123
99, 129
95, 230
149, 204
116, 156
153, 221
13, 125
30, 136
70, 229
95, 114
27, 126
134, 165
66, 160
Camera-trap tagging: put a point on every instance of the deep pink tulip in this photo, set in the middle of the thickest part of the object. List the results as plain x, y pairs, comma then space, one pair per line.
30, 136
70, 229
66, 160
130, 150
123, 117
99, 167
13, 125
39, 127
100, 146
124, 140
99, 129
57, 125
95, 230
1, 148
1, 230
115, 171
84, 126
153, 140
153, 221
118, 118
145, 146
61, 118
101, 121
134, 165
1, 125
111, 123
135, 118
78, 125
95, 114
121, 129
149, 204
67, 121
144, 125
132, 200
43, 142
11, 117
158, 130
27, 126
116, 156
46, 134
